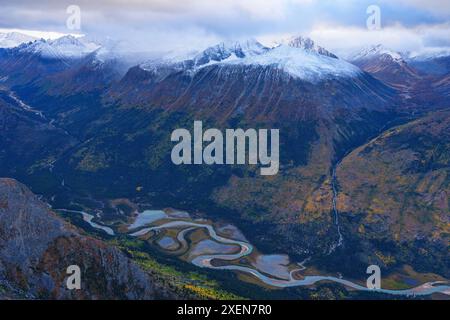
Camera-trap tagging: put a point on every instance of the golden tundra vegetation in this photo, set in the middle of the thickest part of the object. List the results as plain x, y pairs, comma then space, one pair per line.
401, 181
302, 194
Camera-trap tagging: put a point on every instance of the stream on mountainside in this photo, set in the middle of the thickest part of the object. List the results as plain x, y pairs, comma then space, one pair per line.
334, 184
340, 240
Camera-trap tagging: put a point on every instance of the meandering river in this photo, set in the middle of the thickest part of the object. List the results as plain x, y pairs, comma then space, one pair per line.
205, 261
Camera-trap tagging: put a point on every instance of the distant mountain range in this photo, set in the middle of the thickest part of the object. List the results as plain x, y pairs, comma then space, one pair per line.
420, 78
37, 247
387, 65
14, 39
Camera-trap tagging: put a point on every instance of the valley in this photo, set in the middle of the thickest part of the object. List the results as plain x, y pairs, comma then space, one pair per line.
176, 233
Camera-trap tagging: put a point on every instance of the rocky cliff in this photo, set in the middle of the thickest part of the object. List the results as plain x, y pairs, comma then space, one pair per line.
36, 247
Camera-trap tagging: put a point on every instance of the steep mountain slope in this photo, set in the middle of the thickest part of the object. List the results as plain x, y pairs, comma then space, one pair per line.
67, 64
395, 191
443, 86
29, 142
386, 65
66, 47
295, 71
36, 247
61, 86
433, 63
434, 68
31, 65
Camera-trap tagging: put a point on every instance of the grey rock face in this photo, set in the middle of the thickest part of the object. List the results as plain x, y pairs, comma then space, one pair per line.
36, 247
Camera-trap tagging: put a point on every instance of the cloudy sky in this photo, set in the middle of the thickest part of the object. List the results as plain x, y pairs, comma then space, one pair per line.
339, 25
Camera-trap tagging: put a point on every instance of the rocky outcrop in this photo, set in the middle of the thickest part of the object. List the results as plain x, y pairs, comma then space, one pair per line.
36, 247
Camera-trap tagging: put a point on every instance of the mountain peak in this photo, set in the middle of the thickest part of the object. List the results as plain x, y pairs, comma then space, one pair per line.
299, 57
301, 43
66, 40
230, 50
377, 50
308, 45
251, 47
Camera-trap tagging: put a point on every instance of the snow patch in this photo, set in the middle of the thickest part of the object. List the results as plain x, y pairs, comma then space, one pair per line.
300, 57
64, 47
306, 65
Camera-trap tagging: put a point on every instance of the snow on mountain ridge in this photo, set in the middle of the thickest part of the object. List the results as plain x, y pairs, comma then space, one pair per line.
14, 39
233, 50
41, 47
61, 48
429, 54
211, 55
300, 57
308, 45
72, 47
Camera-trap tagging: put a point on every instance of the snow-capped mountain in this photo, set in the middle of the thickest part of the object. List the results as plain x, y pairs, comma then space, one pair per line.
379, 50
299, 57
224, 81
66, 64
66, 47
385, 64
304, 64
14, 39
434, 61
69, 46
308, 45
230, 51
